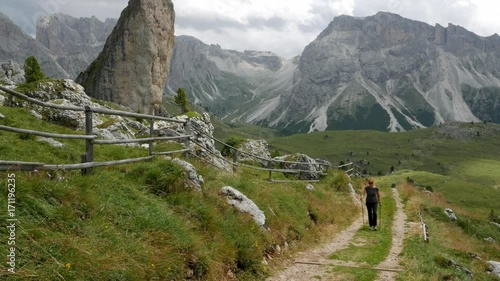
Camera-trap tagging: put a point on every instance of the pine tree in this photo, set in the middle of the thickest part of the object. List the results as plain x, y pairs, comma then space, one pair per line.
32, 70
181, 100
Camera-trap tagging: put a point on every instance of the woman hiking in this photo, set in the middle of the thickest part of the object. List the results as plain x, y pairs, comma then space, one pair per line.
372, 200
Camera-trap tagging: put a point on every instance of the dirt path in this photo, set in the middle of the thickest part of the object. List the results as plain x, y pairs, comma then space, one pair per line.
314, 264
398, 233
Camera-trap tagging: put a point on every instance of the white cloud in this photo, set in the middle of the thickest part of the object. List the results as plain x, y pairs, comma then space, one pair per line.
281, 26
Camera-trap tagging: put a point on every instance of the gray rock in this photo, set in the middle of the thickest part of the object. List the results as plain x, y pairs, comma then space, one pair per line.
194, 180
310, 187
312, 169
2, 100
133, 66
363, 69
36, 114
17, 46
495, 224
50, 141
257, 148
242, 203
11, 73
494, 267
451, 215
75, 41
2, 116
490, 239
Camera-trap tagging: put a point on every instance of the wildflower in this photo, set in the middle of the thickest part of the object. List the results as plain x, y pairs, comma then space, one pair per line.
68, 265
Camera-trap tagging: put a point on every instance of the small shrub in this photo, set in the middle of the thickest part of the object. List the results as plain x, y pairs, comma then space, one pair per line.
26, 136
275, 153
232, 141
429, 188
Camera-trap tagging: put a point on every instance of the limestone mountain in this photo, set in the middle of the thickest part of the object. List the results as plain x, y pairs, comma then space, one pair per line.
386, 72
75, 41
16, 46
237, 86
133, 66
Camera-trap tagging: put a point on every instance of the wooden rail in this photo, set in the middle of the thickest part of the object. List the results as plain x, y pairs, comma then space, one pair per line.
425, 228
44, 134
90, 140
89, 137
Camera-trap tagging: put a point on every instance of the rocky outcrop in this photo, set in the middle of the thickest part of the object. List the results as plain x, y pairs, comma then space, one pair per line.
133, 66
75, 41
202, 144
68, 93
254, 148
238, 200
11, 73
16, 46
307, 168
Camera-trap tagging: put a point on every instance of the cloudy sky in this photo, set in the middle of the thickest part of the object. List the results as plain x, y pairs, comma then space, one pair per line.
284, 27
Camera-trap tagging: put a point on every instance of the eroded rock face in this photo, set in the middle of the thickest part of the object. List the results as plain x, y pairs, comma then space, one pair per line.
75, 41
133, 66
17, 46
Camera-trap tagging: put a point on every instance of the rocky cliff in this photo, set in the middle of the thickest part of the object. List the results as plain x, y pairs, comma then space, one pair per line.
75, 41
16, 46
237, 86
386, 72
133, 66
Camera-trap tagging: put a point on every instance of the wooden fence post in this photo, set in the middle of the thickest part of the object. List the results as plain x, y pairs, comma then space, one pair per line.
89, 143
235, 159
189, 131
151, 134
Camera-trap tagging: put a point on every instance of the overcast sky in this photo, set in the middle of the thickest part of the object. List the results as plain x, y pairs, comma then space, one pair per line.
284, 27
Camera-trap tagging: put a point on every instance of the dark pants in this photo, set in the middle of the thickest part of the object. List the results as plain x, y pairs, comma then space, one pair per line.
372, 213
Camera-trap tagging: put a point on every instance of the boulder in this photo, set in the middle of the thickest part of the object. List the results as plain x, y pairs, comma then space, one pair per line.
194, 180
310, 187
312, 170
494, 268
50, 141
133, 66
449, 212
242, 203
258, 148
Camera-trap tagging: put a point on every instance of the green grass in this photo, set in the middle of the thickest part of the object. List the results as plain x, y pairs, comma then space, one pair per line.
139, 222
367, 246
459, 240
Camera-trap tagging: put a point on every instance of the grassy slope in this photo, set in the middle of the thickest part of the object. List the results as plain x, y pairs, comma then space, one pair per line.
137, 222
472, 164
462, 241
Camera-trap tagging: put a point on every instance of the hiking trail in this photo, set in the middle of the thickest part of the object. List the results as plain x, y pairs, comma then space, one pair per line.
315, 264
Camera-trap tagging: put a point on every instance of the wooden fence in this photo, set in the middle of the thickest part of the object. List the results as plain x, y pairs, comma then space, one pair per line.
87, 158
